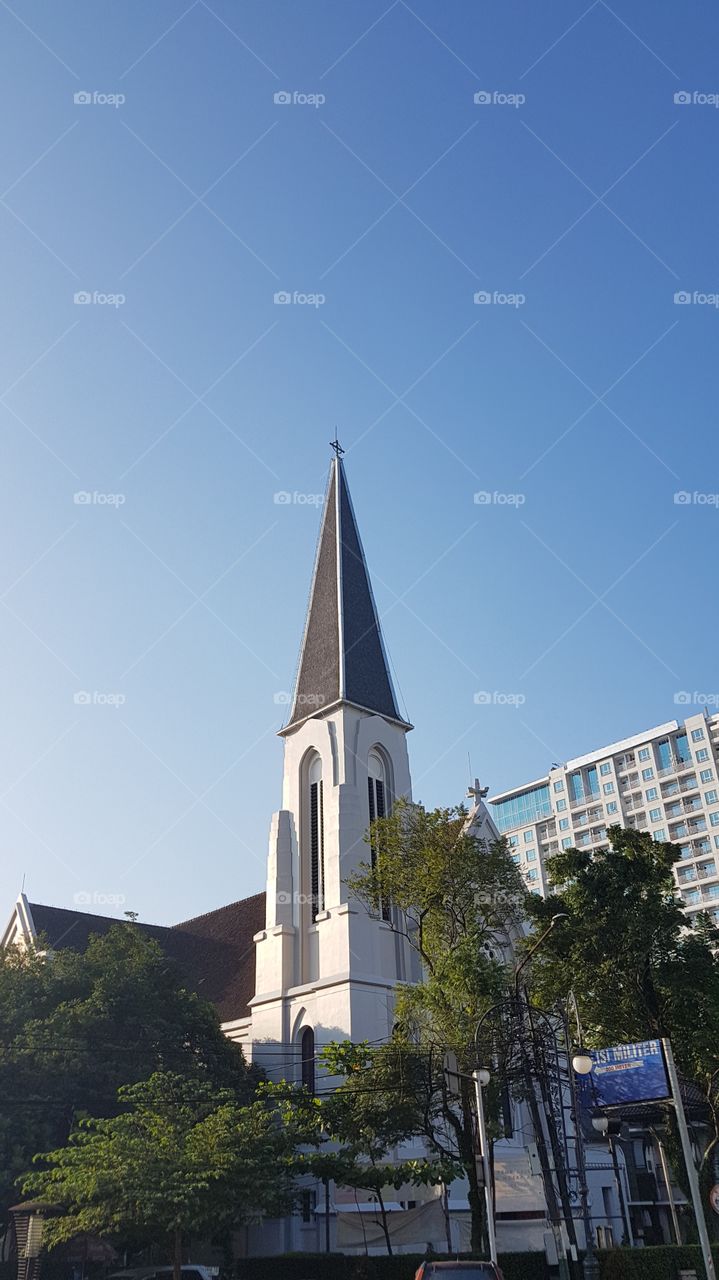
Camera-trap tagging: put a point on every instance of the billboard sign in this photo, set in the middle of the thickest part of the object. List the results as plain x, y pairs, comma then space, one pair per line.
625, 1074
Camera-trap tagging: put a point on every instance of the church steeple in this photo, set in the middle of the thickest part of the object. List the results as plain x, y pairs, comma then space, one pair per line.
342, 658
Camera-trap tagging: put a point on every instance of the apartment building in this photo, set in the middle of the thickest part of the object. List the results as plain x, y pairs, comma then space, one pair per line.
664, 781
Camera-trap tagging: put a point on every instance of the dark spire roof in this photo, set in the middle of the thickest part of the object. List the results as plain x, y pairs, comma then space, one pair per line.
342, 657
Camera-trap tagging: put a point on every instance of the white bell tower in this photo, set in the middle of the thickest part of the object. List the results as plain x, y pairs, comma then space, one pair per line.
326, 968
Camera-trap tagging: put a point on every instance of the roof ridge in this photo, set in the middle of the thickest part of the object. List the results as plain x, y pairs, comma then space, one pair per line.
204, 914
95, 915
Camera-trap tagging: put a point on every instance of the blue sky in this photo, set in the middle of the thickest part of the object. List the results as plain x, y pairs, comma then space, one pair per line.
182, 398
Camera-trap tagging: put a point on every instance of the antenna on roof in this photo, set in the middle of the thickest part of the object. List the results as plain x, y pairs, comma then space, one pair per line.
335, 444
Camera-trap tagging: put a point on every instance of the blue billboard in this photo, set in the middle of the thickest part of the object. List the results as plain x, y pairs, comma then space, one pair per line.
625, 1074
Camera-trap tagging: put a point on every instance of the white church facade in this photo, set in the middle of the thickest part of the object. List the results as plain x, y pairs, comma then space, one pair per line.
304, 963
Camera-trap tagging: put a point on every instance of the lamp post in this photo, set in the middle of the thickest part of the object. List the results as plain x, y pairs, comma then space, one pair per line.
581, 1065
481, 1078
604, 1126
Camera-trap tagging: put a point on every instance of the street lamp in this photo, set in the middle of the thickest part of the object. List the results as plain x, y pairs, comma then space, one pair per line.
608, 1129
582, 1062
481, 1078
581, 1065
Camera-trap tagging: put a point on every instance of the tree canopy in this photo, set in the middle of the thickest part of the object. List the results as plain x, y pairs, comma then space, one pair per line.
182, 1155
74, 1027
457, 900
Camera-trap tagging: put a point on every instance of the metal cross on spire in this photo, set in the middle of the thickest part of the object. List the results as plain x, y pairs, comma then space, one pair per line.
335, 444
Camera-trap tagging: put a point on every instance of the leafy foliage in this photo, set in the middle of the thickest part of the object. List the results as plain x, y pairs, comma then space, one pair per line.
182, 1155
637, 968
351, 1133
457, 901
75, 1027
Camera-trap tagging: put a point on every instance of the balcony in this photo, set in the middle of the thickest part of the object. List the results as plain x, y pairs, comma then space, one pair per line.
677, 766
684, 829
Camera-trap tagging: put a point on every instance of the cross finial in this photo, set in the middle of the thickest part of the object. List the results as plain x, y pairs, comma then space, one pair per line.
477, 791
335, 444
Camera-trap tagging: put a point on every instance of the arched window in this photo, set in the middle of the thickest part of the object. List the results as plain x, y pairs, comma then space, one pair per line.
377, 794
316, 838
307, 1046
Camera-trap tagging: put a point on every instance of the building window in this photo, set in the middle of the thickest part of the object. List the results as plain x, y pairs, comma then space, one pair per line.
316, 838
513, 841
608, 788
559, 785
612, 806
697, 735
660, 835
528, 837
655, 815
307, 1049
520, 810
564, 824
714, 819
716, 842
702, 754
308, 1201
643, 753
532, 874
647, 774
706, 775
710, 797
561, 805
531, 855
682, 749
652, 793
377, 796
605, 768
567, 842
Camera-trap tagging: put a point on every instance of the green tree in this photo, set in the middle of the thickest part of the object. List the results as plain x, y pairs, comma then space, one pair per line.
76, 1026
352, 1133
636, 966
182, 1156
457, 901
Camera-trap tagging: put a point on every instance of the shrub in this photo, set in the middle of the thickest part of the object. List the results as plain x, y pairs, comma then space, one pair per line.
340, 1266
657, 1262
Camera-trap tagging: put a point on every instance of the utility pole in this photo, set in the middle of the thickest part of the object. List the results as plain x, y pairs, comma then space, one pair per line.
689, 1161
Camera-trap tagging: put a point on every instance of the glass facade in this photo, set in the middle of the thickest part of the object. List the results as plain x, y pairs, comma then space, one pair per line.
684, 755
519, 811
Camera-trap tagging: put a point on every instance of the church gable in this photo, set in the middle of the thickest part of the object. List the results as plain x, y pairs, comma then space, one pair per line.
215, 952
